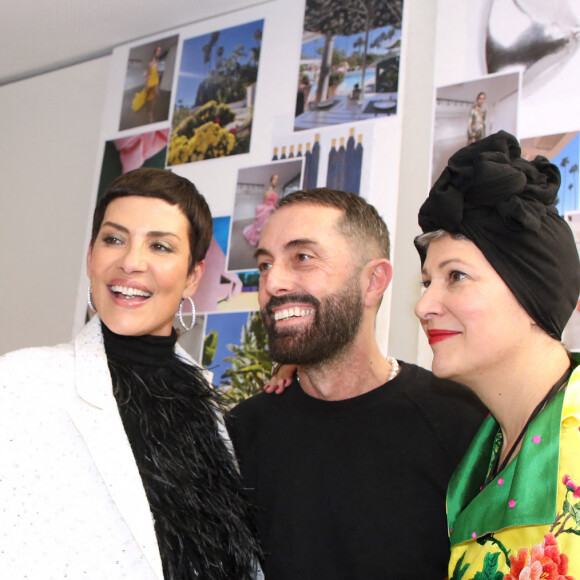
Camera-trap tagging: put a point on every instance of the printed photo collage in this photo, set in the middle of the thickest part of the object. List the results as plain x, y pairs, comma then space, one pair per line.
194, 102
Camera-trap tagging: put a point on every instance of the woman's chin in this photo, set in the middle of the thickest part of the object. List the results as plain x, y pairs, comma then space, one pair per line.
443, 370
129, 326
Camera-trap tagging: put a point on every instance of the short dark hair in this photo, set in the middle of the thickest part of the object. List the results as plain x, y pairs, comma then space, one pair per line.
172, 188
361, 222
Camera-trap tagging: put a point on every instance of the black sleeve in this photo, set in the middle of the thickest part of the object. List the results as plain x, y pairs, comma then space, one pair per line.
454, 414
242, 423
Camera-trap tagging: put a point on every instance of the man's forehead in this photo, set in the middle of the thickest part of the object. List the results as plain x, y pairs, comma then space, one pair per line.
300, 225
300, 222
304, 215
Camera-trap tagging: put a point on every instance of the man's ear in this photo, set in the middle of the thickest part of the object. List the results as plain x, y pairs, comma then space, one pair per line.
193, 279
379, 275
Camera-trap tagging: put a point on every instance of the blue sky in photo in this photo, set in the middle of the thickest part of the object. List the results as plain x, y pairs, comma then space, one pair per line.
345, 43
193, 70
229, 329
221, 232
568, 197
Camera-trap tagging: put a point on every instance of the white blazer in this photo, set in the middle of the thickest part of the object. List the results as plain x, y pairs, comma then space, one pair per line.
72, 504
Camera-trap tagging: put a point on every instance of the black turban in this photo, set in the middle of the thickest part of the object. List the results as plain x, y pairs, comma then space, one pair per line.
505, 205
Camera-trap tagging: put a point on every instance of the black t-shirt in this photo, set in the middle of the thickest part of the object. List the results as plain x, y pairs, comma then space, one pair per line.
355, 489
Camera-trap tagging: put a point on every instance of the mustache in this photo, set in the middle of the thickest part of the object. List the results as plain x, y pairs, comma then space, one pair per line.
277, 301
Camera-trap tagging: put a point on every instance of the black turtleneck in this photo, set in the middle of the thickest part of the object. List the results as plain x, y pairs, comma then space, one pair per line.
148, 350
169, 413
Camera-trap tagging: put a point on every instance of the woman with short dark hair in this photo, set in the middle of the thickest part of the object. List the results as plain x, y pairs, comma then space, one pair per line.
114, 458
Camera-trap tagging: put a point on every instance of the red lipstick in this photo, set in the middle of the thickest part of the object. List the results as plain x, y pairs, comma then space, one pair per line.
437, 335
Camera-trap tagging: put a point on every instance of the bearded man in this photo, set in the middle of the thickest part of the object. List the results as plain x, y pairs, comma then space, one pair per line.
348, 468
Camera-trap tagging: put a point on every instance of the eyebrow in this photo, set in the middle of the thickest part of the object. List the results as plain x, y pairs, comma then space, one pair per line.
445, 263
287, 246
261, 252
152, 234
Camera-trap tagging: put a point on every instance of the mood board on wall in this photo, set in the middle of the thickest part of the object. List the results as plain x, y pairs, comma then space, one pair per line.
250, 106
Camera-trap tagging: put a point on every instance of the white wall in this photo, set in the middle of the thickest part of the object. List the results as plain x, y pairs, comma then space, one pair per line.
48, 147
418, 94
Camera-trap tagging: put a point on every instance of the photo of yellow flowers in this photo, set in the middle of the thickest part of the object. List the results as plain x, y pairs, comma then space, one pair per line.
215, 94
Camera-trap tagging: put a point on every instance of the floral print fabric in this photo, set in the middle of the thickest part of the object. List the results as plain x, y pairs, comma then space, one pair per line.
525, 524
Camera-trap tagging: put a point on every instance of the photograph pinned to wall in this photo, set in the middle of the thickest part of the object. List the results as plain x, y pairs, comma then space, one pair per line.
215, 94
538, 39
148, 82
218, 286
127, 153
467, 112
236, 351
334, 157
257, 191
349, 65
247, 298
563, 150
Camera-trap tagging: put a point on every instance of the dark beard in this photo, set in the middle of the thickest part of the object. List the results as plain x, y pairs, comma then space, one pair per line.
336, 323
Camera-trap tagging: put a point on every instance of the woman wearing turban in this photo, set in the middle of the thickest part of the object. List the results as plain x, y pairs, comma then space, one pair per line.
502, 277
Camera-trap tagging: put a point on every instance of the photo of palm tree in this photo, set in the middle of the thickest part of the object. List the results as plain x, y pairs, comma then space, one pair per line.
349, 66
563, 150
236, 351
215, 94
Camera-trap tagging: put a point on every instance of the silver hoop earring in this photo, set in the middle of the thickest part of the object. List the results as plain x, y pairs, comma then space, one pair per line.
90, 299
180, 314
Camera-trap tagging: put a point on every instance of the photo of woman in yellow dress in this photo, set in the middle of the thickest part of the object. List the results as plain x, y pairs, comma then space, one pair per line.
148, 81
151, 91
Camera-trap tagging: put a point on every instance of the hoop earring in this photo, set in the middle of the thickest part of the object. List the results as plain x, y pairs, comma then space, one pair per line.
180, 314
90, 299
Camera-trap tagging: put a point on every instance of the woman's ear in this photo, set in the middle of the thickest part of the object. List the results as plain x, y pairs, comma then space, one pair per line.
89, 257
193, 279
380, 273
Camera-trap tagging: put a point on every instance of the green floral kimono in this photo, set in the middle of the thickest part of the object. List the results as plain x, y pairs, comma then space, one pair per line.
525, 524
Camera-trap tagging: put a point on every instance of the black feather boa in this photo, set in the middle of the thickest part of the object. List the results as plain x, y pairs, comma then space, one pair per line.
202, 520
